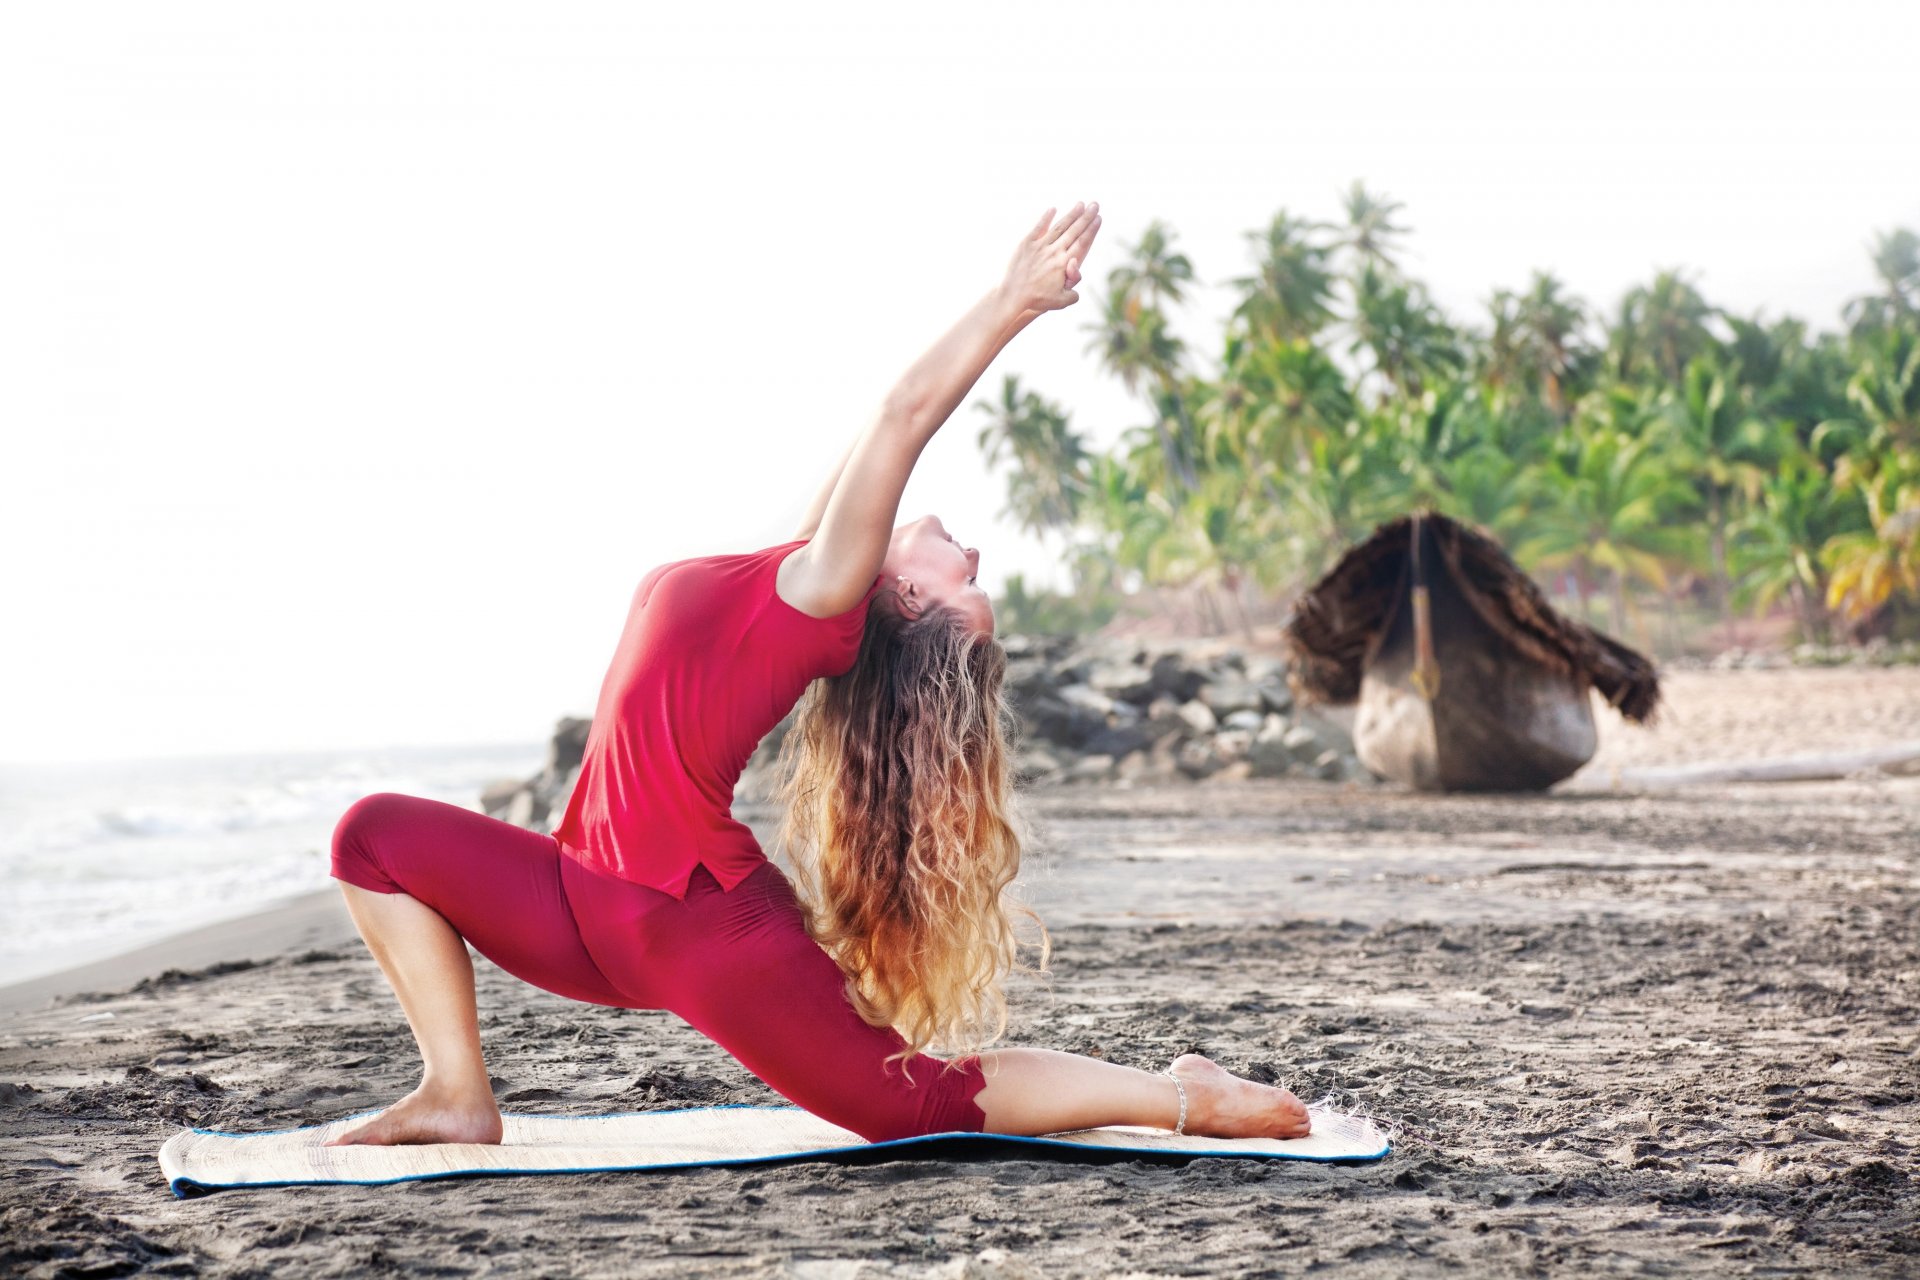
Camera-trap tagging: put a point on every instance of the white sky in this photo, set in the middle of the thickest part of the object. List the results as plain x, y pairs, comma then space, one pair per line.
357, 359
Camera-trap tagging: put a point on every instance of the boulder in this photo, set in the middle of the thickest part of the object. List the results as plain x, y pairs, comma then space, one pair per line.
1268, 753
1196, 758
1093, 768
1275, 695
1226, 695
1174, 676
497, 795
1125, 681
1198, 718
1232, 744
1248, 720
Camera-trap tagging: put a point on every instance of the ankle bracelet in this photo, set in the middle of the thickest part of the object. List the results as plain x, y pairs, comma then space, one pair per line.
1180, 1126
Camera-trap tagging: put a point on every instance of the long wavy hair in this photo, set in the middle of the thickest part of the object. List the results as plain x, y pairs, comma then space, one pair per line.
897, 791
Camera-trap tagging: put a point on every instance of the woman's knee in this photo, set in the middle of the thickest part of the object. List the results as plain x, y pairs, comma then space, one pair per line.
356, 841
940, 1099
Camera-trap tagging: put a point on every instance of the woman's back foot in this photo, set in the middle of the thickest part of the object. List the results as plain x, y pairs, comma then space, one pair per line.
1222, 1105
422, 1117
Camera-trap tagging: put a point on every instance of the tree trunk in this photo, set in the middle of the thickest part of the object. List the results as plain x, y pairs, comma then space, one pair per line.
1240, 606
1717, 537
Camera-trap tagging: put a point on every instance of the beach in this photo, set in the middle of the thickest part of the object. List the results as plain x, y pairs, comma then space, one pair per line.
1614, 1030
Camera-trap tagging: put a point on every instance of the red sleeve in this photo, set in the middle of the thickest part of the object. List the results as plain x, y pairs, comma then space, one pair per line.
820, 646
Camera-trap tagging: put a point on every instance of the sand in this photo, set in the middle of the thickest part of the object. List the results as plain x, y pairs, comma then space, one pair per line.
1668, 1034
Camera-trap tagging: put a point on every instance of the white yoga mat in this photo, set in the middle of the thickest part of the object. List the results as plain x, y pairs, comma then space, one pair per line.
196, 1161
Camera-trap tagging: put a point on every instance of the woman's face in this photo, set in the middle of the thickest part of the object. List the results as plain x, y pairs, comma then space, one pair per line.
938, 571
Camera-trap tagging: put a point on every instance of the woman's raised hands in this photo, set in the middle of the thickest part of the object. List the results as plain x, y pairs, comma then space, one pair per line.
1046, 267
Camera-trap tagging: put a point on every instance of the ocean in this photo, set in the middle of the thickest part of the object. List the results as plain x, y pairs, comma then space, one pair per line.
101, 858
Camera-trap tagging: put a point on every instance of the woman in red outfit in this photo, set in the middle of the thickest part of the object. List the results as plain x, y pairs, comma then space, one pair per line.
648, 894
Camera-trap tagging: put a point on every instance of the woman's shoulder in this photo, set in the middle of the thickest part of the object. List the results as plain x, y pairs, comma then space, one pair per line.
809, 589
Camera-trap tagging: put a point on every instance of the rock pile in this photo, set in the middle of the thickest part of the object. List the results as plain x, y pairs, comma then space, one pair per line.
1100, 711
1164, 711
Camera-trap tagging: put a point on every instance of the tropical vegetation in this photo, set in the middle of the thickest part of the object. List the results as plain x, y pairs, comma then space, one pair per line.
1668, 459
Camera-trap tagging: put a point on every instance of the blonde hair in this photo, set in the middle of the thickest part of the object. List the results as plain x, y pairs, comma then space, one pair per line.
896, 786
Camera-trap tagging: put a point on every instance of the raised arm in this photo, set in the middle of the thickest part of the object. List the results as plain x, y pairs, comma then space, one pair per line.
854, 514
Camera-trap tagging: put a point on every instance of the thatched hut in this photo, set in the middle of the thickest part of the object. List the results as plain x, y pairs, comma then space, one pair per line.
1466, 678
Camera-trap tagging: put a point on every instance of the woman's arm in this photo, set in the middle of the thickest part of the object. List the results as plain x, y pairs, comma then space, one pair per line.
810, 523
863, 499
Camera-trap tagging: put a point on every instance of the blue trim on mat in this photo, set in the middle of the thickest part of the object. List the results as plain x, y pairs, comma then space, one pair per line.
183, 1187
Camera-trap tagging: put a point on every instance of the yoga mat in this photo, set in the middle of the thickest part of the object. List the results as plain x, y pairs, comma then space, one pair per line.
197, 1161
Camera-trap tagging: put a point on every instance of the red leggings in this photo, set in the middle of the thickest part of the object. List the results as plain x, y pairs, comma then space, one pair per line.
738, 966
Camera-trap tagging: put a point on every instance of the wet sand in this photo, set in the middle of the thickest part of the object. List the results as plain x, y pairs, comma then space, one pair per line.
1669, 1033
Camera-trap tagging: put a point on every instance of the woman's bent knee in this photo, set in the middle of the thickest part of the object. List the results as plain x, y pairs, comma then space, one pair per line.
356, 836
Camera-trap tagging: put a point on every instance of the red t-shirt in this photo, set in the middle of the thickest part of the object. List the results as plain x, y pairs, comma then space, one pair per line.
710, 659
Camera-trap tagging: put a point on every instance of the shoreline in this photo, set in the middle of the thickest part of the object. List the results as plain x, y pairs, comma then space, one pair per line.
315, 919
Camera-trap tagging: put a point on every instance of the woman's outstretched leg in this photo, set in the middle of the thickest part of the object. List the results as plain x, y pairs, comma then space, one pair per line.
423, 879
427, 963
740, 967
1034, 1091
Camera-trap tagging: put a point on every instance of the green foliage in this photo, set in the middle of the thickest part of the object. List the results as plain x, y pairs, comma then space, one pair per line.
1677, 452
1051, 613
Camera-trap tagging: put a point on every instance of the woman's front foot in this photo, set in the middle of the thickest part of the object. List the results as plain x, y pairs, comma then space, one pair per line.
427, 1116
1222, 1105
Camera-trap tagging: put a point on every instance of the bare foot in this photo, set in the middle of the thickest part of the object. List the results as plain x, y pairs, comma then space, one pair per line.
424, 1117
1222, 1105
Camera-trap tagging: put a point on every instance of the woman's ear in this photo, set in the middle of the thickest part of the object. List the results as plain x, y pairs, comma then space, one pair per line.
909, 594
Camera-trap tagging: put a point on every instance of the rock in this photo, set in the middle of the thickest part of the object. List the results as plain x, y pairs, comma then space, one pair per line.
1332, 725
1268, 754
1120, 739
1033, 762
1127, 682
1302, 744
1236, 771
1327, 766
1232, 744
1146, 767
1094, 768
1198, 717
1196, 758
1275, 695
1026, 677
1174, 676
1086, 698
1248, 720
1058, 721
526, 808
1266, 670
567, 748
497, 795
1226, 695
1163, 714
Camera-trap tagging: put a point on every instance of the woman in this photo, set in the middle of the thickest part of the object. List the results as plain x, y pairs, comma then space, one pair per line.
649, 895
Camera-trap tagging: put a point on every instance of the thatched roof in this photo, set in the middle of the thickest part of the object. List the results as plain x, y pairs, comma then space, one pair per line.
1335, 622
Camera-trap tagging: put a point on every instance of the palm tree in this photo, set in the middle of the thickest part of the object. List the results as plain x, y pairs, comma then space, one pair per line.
1550, 323
1727, 448
1870, 566
1271, 399
1371, 232
1896, 260
1608, 507
1403, 331
1290, 294
1777, 547
1049, 458
1133, 341
1662, 327
1155, 274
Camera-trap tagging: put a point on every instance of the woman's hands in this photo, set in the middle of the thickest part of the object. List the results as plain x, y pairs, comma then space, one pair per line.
1046, 267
